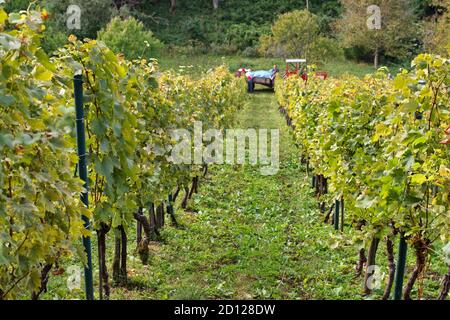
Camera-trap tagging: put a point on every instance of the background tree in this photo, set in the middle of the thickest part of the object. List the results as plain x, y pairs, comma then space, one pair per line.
215, 4
173, 6
292, 34
297, 34
394, 39
325, 49
17, 5
437, 29
95, 14
130, 3
130, 37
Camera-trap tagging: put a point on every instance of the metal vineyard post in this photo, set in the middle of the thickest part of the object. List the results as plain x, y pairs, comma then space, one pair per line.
82, 169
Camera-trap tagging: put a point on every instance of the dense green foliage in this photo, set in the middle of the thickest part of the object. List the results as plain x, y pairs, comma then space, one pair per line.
437, 30
198, 21
252, 237
39, 208
95, 14
293, 34
297, 34
237, 26
397, 34
129, 114
377, 141
125, 35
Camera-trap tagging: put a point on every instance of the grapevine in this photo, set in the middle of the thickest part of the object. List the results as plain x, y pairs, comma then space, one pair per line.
376, 142
130, 109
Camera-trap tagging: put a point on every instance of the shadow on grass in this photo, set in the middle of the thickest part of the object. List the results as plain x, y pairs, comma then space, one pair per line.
264, 90
135, 284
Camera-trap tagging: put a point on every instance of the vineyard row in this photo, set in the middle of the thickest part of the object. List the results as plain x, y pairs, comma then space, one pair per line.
380, 145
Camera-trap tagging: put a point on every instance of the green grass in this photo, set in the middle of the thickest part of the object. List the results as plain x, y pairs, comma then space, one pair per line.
338, 68
201, 63
248, 236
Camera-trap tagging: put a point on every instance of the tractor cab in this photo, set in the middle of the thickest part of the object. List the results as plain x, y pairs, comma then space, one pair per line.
299, 67
296, 67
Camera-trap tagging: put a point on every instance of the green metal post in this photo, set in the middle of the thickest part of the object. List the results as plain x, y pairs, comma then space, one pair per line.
82, 169
336, 214
400, 272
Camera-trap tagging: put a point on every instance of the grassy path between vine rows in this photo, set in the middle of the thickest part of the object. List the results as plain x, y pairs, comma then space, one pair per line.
247, 236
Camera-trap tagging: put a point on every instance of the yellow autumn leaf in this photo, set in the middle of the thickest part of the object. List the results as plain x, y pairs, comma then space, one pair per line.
3, 16
72, 38
444, 171
43, 74
418, 178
